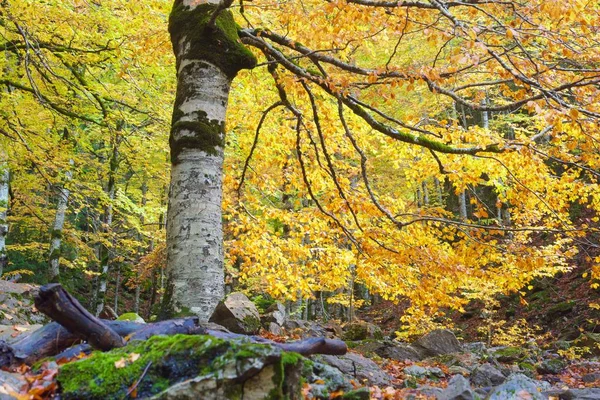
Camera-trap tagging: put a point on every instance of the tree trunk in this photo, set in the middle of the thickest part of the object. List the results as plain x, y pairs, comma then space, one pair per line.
107, 228
208, 56
4, 177
59, 223
462, 205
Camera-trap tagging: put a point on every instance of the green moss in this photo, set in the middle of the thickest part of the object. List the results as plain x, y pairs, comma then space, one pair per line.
509, 354
561, 308
358, 394
252, 323
219, 45
130, 317
97, 377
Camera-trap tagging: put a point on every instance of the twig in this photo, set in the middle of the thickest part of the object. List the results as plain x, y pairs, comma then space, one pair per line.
132, 389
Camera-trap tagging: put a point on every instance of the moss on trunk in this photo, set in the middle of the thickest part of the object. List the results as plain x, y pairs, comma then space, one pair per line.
220, 45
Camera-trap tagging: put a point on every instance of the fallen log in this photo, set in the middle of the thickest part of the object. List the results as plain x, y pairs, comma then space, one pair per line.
75, 324
58, 304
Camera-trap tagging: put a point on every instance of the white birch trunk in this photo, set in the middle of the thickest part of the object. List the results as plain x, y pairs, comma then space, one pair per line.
105, 256
59, 223
462, 205
4, 178
207, 60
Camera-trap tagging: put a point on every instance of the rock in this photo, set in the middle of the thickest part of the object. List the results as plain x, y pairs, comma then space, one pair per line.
423, 372
487, 375
133, 317
10, 383
275, 329
593, 377
327, 380
275, 314
399, 352
440, 341
458, 389
458, 370
430, 392
553, 366
358, 367
238, 314
307, 328
333, 329
14, 333
16, 304
361, 330
197, 367
387, 349
508, 354
517, 386
415, 370
474, 347
581, 394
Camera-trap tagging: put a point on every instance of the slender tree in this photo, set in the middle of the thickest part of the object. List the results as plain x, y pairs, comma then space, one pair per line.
4, 180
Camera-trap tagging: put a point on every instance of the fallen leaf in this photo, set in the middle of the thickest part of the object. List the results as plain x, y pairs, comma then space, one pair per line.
121, 363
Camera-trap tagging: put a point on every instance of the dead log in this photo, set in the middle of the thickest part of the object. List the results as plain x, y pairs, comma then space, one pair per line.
58, 304
78, 324
50, 340
306, 347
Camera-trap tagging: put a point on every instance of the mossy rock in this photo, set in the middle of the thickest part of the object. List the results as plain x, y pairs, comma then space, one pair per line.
527, 369
167, 366
560, 309
133, 317
361, 330
553, 366
510, 354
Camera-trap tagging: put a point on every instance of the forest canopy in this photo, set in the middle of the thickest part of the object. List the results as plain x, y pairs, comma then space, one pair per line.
433, 152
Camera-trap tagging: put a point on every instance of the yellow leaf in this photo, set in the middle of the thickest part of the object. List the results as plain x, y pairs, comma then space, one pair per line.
121, 363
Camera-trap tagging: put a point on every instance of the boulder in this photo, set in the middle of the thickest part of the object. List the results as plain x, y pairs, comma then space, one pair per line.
275, 314
306, 329
508, 354
387, 349
197, 367
458, 389
358, 367
398, 351
552, 366
440, 341
487, 375
517, 386
581, 394
238, 314
10, 383
423, 372
361, 330
133, 317
275, 329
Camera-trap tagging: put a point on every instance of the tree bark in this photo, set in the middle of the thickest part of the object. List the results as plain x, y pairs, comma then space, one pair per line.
105, 250
59, 223
4, 178
208, 56
58, 304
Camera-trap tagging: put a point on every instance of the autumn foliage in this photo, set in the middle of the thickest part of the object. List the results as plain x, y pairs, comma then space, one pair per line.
436, 152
